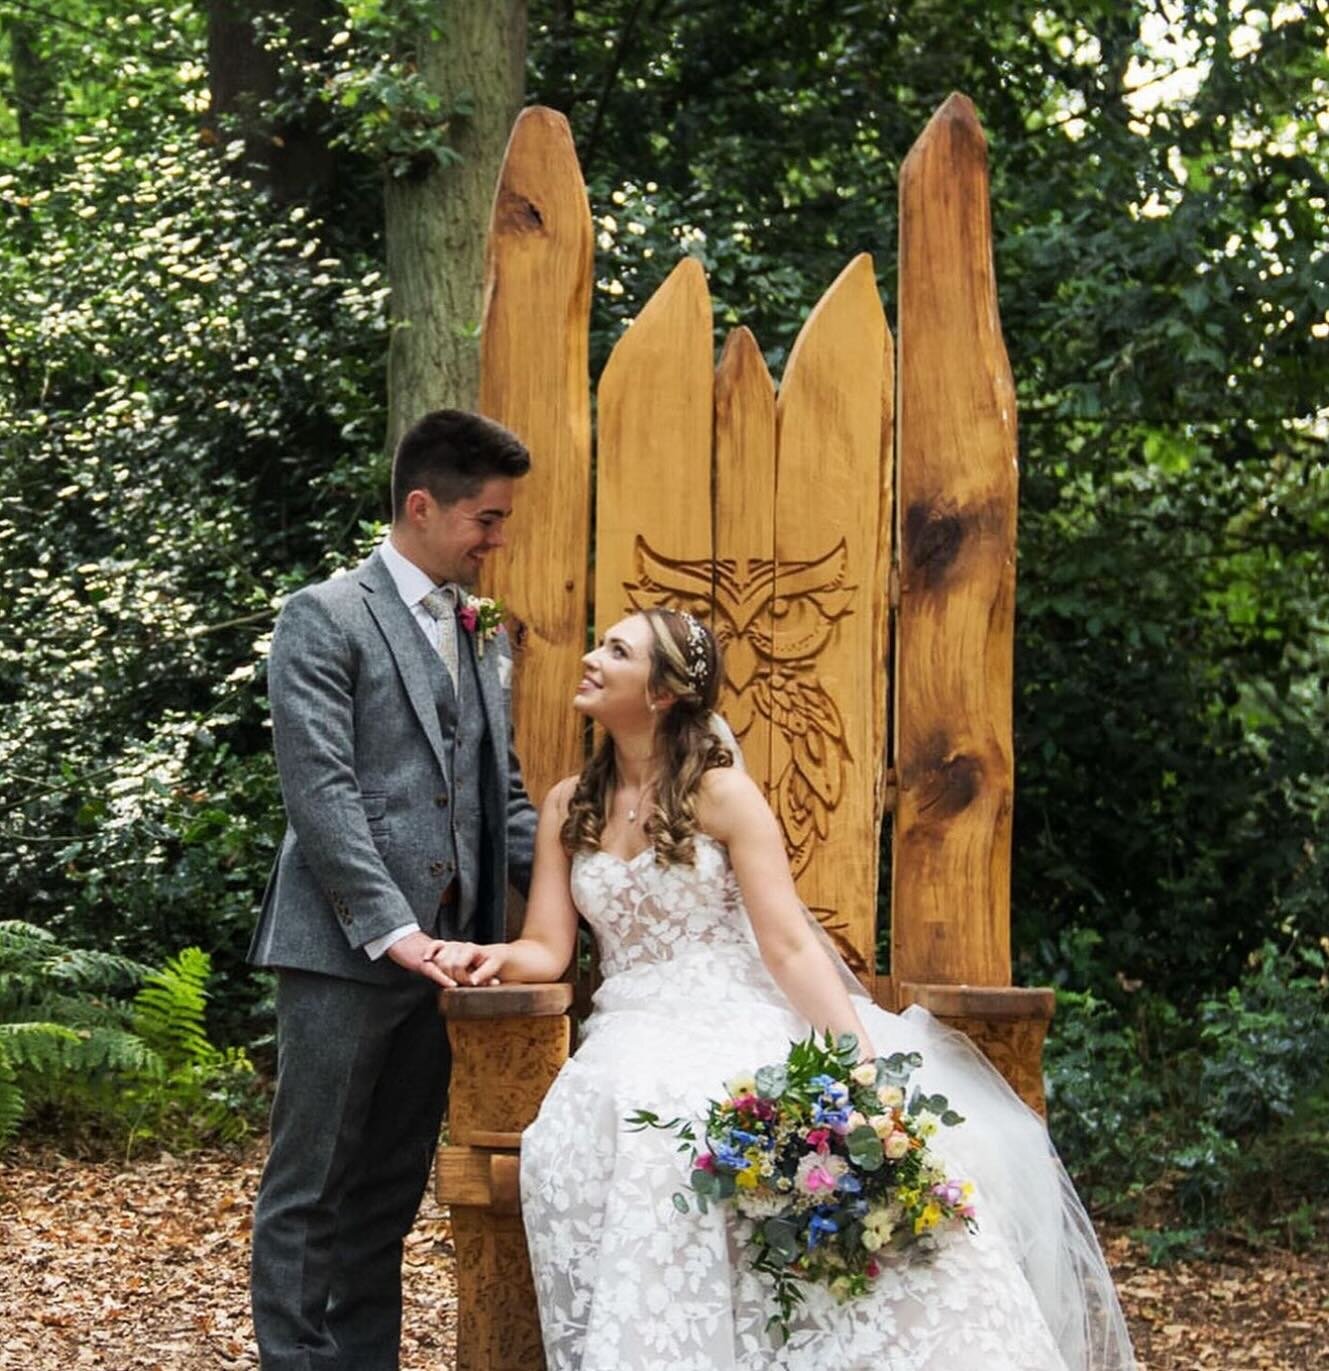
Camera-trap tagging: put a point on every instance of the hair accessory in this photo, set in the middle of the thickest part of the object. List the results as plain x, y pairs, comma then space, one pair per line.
696, 649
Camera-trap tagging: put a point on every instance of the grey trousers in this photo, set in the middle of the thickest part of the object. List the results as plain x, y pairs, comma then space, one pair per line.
362, 1075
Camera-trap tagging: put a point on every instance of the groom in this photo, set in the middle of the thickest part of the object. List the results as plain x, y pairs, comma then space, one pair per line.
407, 817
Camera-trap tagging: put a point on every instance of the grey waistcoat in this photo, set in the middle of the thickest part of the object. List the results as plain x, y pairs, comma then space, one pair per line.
466, 735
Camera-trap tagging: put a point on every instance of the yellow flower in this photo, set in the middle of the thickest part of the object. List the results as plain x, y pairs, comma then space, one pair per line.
928, 1219
749, 1179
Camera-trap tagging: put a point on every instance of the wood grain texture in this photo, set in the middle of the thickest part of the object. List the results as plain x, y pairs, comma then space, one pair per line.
827, 681
745, 544
957, 504
534, 378
653, 536
478, 1176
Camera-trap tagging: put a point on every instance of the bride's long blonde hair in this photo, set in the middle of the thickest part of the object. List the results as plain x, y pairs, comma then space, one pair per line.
685, 662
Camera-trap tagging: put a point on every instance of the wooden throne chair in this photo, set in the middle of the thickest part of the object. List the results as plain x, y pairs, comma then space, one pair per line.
850, 539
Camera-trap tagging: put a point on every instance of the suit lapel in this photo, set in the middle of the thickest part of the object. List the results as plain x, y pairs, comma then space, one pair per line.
402, 635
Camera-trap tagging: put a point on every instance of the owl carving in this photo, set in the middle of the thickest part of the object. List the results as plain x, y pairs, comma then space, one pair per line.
773, 622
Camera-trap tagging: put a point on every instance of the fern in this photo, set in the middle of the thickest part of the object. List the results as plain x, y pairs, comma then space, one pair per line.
90, 969
11, 1098
169, 1010
74, 1050
40, 1047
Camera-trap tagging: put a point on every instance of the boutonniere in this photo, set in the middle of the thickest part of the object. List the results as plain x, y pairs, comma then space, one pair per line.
482, 618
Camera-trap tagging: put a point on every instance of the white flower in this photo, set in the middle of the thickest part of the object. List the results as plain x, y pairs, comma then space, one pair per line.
926, 1123
745, 1083
896, 1145
891, 1096
865, 1073
760, 1204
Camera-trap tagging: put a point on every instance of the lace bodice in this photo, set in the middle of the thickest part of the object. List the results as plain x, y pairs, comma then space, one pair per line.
645, 914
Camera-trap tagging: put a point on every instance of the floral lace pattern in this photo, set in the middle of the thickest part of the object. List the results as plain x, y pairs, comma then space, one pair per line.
627, 1283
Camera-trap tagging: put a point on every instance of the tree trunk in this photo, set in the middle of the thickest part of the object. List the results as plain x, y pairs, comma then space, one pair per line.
32, 82
436, 217
290, 159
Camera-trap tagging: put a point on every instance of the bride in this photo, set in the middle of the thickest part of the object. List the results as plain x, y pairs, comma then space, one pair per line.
711, 967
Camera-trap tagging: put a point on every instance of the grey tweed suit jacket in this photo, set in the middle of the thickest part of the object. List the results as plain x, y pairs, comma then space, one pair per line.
366, 776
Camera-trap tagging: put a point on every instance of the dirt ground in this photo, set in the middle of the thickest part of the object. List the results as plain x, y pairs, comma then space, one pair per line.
144, 1266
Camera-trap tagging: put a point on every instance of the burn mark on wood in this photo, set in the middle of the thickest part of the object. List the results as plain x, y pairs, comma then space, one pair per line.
517, 214
932, 541
947, 782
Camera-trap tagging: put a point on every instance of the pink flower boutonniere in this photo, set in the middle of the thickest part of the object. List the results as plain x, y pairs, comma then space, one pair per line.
482, 618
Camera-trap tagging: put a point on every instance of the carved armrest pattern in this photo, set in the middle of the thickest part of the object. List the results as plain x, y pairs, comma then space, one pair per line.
508, 1043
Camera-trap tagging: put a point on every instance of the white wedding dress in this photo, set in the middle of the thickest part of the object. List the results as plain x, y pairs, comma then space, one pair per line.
627, 1283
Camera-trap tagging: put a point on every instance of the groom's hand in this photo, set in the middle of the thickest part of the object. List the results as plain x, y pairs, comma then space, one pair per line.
463, 963
416, 952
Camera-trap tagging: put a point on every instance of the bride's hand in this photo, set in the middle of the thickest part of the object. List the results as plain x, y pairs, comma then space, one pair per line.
469, 964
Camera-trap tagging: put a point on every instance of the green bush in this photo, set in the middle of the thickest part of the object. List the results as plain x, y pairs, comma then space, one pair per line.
1207, 1121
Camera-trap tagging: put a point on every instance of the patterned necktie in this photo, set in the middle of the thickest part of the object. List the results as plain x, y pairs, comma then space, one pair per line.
442, 606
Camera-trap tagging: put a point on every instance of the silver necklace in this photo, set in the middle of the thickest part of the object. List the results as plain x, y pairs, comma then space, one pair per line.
641, 795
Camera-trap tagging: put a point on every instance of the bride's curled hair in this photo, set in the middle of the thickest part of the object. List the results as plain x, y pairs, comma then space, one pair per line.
686, 663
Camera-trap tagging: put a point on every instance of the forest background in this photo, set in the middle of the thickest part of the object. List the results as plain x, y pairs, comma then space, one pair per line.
214, 315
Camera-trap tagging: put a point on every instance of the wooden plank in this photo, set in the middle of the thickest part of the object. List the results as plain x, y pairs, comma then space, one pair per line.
957, 497
745, 543
826, 645
885, 614
534, 379
653, 540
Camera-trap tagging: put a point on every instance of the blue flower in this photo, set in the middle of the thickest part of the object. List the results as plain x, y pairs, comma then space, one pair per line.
820, 1114
745, 1139
817, 1226
849, 1183
730, 1157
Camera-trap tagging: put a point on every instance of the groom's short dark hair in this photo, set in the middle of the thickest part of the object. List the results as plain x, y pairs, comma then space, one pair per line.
451, 453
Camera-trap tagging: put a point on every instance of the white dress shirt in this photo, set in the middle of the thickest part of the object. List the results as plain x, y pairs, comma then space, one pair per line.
412, 585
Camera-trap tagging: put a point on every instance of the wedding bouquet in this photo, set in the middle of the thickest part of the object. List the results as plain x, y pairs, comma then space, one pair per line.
829, 1165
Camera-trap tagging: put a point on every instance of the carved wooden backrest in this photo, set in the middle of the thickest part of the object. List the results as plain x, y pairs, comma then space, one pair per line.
775, 516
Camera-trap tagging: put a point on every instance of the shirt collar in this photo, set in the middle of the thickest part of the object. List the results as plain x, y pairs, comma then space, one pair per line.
412, 583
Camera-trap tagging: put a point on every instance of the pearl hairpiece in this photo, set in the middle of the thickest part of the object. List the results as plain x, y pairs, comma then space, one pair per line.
696, 649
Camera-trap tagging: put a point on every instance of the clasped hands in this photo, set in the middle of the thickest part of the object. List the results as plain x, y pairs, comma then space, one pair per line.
449, 964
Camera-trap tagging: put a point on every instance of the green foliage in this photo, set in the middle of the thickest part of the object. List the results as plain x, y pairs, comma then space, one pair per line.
78, 1057
1211, 1120
190, 382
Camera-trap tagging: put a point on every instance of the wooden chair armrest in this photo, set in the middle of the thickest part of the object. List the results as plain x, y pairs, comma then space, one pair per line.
508, 1043
506, 1001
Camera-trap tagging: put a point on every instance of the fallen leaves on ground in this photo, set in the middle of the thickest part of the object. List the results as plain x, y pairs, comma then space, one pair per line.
144, 1267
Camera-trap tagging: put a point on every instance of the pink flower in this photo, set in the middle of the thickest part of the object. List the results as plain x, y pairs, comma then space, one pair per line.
705, 1162
819, 1179
469, 618
873, 1269
817, 1137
